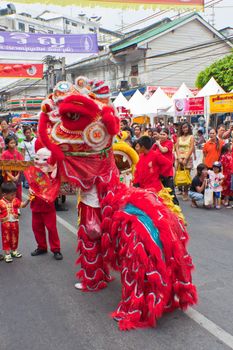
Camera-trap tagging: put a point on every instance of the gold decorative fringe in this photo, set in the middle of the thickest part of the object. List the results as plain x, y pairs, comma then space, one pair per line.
167, 199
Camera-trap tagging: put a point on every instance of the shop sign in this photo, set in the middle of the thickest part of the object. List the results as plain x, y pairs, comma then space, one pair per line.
169, 90
221, 103
189, 106
21, 70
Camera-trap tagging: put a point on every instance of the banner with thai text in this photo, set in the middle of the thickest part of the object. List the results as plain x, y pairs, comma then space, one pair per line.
62, 43
168, 4
221, 103
189, 106
20, 70
169, 90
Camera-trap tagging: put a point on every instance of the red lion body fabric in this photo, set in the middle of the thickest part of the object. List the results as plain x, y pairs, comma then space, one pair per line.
130, 229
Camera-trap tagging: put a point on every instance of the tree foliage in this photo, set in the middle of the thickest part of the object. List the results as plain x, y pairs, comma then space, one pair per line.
221, 70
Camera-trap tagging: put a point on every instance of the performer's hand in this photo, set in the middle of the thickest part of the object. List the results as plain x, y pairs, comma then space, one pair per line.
31, 193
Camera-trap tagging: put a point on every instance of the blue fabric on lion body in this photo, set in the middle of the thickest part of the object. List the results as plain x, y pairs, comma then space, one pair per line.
147, 222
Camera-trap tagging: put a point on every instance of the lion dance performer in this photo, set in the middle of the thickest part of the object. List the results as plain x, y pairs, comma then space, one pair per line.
130, 229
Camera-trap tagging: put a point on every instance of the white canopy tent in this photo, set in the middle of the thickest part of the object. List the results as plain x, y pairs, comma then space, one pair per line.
211, 88
121, 101
159, 102
182, 92
138, 104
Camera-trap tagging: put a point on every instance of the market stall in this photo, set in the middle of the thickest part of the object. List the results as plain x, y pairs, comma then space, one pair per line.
158, 104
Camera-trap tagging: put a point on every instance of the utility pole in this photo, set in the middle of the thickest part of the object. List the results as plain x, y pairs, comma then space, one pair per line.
63, 68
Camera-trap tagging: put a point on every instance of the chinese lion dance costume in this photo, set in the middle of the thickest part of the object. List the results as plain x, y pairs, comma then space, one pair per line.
130, 230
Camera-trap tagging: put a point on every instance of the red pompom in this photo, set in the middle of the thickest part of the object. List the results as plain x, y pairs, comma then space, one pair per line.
110, 120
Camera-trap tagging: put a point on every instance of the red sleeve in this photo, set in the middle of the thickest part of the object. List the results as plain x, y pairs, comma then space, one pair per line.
174, 138
17, 203
3, 210
136, 179
232, 162
169, 146
4, 155
164, 163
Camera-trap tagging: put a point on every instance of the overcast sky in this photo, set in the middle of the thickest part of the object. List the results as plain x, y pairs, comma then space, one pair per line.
116, 18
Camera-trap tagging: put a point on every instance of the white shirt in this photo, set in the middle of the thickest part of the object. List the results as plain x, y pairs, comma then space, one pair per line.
215, 180
29, 147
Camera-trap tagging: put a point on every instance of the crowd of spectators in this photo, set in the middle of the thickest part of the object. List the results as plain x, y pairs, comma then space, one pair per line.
208, 158
184, 145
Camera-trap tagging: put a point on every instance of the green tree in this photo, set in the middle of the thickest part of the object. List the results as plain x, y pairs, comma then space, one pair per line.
221, 70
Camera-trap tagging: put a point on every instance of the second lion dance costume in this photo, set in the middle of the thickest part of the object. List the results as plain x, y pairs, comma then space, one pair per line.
130, 229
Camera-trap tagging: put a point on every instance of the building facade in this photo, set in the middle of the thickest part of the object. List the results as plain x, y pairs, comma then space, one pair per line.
167, 53
52, 23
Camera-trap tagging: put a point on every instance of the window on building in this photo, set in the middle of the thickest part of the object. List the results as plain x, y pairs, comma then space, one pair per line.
134, 70
21, 27
31, 29
74, 24
67, 22
50, 31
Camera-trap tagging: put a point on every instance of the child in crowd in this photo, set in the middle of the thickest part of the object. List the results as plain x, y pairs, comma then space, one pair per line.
11, 153
227, 167
197, 188
9, 217
152, 164
216, 179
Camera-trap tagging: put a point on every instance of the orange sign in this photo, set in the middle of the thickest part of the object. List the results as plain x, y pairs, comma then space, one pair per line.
21, 70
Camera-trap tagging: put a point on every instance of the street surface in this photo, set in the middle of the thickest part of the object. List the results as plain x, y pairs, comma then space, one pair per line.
41, 309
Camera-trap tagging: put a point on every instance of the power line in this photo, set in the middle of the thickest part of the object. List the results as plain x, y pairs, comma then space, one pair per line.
173, 63
162, 65
175, 73
20, 88
169, 53
209, 4
190, 48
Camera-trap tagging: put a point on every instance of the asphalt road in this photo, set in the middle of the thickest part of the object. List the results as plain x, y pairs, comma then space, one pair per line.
41, 309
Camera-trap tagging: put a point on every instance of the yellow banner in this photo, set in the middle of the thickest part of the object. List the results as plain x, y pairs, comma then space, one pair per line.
221, 103
197, 5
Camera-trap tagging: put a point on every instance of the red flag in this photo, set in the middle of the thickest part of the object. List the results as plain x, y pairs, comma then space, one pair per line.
42, 185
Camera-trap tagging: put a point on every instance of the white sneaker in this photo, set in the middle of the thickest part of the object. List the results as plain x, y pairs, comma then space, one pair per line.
78, 286
16, 254
8, 258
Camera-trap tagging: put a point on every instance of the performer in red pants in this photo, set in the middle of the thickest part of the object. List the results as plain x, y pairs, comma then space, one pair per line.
44, 217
